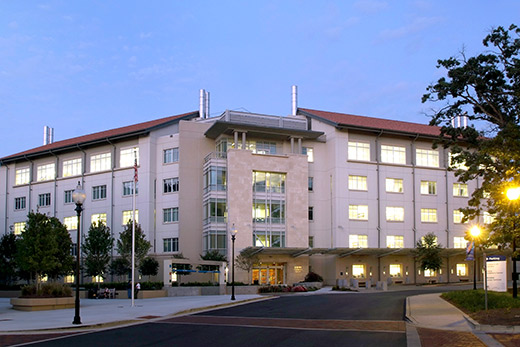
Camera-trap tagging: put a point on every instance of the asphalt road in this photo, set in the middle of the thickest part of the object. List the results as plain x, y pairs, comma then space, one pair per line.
314, 320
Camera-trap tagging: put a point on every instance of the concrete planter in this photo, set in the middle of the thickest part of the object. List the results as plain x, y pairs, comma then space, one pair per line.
42, 304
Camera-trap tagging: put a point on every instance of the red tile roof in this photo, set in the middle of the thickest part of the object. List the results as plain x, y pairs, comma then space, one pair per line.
111, 134
342, 119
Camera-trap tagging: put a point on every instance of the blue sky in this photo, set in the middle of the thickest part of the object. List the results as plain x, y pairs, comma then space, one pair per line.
88, 66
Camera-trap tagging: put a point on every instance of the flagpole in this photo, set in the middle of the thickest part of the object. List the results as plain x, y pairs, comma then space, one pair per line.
133, 228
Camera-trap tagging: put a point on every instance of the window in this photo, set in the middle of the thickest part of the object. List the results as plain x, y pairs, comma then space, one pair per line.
459, 242
358, 151
22, 176
100, 162
394, 241
394, 214
171, 185
268, 211
309, 152
462, 270
457, 217
460, 189
393, 154
71, 223
215, 240
454, 164
429, 215
171, 155
128, 215
427, 157
269, 182
215, 210
358, 241
68, 197
357, 182
429, 273
99, 192
18, 228
488, 218
97, 279
101, 218
69, 279
358, 270
44, 199
310, 183
359, 212
428, 187
19, 203
45, 172
311, 213
171, 244
395, 270
171, 215
434, 240
74, 249
72, 167
215, 179
311, 241
262, 147
262, 238
128, 156
394, 185
128, 188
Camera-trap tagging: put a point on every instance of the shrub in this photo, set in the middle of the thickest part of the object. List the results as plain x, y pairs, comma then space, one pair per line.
199, 284
47, 290
313, 277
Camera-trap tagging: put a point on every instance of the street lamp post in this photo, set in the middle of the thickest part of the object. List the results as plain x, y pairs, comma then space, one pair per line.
78, 196
514, 194
475, 233
233, 237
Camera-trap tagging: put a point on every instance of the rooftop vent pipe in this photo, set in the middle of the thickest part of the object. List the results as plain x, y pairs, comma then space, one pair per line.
203, 104
294, 98
48, 135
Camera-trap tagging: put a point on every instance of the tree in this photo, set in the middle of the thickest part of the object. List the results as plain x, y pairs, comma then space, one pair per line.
428, 253
96, 249
44, 247
213, 255
124, 244
149, 267
485, 89
8, 266
247, 259
120, 267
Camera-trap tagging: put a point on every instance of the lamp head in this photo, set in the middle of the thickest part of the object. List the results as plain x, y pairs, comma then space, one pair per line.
513, 193
234, 230
79, 195
475, 231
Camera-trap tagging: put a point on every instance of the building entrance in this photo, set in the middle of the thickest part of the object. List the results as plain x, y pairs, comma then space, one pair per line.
269, 274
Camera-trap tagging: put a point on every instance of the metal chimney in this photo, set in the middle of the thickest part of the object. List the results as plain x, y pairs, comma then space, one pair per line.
48, 135
202, 108
294, 98
207, 105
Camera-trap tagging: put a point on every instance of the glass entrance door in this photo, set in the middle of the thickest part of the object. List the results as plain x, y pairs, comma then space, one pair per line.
269, 274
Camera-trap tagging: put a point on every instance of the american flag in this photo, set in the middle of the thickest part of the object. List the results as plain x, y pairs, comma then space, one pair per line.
135, 170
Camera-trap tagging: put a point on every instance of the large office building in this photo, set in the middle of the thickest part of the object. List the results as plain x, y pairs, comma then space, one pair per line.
342, 195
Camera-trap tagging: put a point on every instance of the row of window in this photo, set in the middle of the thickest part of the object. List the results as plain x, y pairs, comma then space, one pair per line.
258, 147
395, 241
396, 214
396, 271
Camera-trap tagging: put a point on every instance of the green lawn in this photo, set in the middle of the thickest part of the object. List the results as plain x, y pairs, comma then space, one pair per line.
473, 300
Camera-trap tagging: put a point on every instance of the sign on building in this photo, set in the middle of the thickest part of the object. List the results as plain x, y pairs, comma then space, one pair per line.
496, 273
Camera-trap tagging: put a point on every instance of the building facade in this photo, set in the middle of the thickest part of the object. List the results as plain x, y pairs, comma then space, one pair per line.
344, 196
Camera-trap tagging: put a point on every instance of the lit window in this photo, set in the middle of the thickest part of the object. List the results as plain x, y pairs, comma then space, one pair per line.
22, 176
459, 242
429, 273
394, 241
269, 182
19, 227
262, 238
394, 214
99, 192
453, 164
428, 187
394, 185
128, 188
171, 155
72, 167
268, 211
45, 172
358, 270
98, 218
128, 156
310, 184
357, 182
19, 203
68, 196
460, 189
128, 215
100, 162
44, 200
393, 154
358, 151
171, 185
457, 217
358, 241
427, 157
359, 212
395, 270
311, 213
97, 279
171, 215
488, 218
171, 244
462, 270
71, 223
69, 279
434, 240
429, 215
309, 152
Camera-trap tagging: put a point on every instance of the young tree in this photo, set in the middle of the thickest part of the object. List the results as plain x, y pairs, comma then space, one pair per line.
8, 266
120, 267
96, 249
213, 255
246, 260
486, 89
149, 267
124, 244
428, 253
